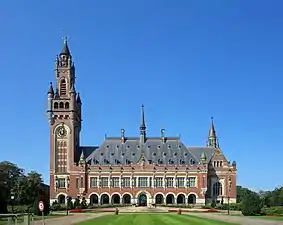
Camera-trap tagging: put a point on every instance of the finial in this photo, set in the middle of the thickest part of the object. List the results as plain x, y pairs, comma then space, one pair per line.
65, 39
211, 119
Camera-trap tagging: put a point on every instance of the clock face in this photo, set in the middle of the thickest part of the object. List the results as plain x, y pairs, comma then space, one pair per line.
62, 132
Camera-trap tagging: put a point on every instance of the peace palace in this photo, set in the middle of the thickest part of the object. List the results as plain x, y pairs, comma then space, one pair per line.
138, 170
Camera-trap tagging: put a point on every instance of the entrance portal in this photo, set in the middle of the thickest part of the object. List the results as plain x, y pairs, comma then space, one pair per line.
142, 200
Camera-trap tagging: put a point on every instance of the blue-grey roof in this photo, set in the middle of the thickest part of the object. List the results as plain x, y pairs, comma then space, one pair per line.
172, 152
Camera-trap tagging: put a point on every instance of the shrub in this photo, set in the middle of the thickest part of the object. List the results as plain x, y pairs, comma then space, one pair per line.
77, 203
275, 210
251, 204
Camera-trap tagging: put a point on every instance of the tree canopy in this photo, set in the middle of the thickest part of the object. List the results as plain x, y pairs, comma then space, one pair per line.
25, 188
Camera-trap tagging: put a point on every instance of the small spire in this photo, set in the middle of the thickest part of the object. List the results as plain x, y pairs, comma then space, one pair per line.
142, 117
72, 90
212, 132
82, 158
163, 135
212, 138
203, 157
123, 135
51, 90
142, 127
79, 99
65, 49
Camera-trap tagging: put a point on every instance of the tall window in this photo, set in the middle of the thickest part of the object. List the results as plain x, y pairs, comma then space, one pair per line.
158, 182
180, 182
217, 189
142, 182
115, 182
191, 182
134, 182
63, 88
61, 183
77, 182
126, 182
93, 182
170, 182
104, 182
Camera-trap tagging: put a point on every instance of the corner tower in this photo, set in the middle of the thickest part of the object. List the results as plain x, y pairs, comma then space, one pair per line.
64, 116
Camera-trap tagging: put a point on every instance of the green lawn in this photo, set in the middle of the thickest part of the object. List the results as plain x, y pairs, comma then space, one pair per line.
151, 219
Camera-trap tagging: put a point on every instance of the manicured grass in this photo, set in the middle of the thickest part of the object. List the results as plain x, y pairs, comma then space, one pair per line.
152, 219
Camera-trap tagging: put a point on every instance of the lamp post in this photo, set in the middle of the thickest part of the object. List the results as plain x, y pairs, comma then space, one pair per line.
12, 200
229, 189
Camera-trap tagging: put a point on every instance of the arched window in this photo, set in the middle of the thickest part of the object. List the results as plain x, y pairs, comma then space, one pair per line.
67, 105
56, 105
63, 90
61, 105
217, 189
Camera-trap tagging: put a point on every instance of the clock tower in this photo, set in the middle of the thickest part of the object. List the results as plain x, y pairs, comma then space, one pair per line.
64, 117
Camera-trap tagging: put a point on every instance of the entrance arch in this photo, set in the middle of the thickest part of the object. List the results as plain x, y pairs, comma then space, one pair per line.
181, 199
142, 199
93, 199
159, 199
115, 199
126, 199
192, 199
170, 199
104, 199
62, 199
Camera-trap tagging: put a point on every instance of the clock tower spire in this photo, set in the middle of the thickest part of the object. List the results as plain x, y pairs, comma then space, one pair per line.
64, 115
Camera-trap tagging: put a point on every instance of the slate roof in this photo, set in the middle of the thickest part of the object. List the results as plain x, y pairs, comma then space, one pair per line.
171, 152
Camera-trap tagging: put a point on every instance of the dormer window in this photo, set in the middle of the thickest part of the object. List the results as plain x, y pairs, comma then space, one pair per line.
192, 162
179, 147
148, 147
128, 146
133, 153
158, 146
112, 153
185, 154
175, 153
154, 154
101, 153
122, 153
164, 154
117, 146
169, 146
107, 146
138, 146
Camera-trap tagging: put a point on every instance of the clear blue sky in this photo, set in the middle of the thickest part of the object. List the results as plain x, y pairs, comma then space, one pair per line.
185, 60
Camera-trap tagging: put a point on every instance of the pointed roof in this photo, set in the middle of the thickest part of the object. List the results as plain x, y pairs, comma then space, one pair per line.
82, 157
79, 99
65, 49
203, 156
50, 90
72, 90
142, 127
212, 132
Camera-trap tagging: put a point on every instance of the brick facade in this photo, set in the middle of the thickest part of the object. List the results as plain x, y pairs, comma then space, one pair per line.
138, 179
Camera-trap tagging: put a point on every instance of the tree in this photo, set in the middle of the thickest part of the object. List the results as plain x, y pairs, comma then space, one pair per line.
251, 204
30, 187
241, 192
10, 174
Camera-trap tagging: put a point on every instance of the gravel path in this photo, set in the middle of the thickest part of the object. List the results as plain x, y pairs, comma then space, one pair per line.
71, 219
